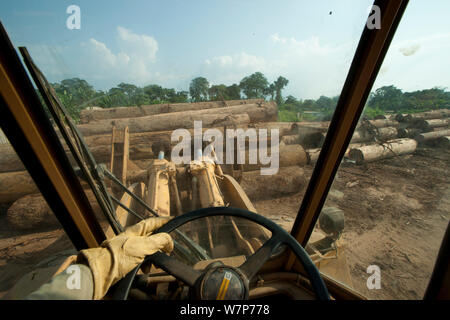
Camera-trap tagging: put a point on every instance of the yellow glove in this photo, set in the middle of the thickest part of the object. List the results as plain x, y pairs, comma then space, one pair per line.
119, 255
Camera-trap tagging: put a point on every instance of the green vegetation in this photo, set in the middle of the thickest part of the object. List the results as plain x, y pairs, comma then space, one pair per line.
77, 94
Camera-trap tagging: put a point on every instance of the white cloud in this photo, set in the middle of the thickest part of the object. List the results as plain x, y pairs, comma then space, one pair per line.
409, 50
229, 69
315, 68
311, 67
93, 60
141, 47
242, 61
134, 62
416, 64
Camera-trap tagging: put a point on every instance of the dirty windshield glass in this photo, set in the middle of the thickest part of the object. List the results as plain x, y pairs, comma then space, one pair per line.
193, 105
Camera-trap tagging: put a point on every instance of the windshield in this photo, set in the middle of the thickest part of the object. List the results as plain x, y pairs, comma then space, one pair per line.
228, 104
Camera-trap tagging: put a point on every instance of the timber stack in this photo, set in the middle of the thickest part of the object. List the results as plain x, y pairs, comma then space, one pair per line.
151, 128
395, 135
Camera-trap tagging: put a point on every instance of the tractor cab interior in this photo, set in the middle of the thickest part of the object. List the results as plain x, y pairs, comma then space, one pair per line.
231, 239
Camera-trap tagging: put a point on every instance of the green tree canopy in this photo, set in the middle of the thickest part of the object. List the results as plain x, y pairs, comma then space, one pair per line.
218, 92
234, 92
386, 98
198, 89
254, 86
278, 85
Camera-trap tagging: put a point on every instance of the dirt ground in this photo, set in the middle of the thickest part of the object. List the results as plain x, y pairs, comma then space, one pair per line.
396, 213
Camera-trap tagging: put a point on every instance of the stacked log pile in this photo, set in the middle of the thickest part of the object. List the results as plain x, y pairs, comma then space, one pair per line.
395, 135
151, 129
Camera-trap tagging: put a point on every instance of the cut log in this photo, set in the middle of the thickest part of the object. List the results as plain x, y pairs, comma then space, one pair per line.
443, 142
312, 140
230, 116
408, 133
400, 117
284, 128
380, 123
288, 180
421, 138
14, 185
428, 125
362, 136
10, 162
146, 137
32, 212
171, 121
87, 116
381, 134
427, 115
313, 155
289, 155
386, 133
352, 146
149, 137
291, 139
381, 151
307, 127
435, 123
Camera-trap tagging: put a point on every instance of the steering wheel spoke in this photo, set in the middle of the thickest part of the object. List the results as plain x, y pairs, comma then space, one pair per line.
178, 269
254, 263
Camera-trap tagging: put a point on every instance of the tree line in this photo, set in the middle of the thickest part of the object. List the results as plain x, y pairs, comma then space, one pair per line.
77, 94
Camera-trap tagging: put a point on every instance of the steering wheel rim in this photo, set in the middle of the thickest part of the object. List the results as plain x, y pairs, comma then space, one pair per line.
279, 237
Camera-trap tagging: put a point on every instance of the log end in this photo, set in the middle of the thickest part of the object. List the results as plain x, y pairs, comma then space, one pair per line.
356, 155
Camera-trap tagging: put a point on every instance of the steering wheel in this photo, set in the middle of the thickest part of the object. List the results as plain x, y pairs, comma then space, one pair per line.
219, 281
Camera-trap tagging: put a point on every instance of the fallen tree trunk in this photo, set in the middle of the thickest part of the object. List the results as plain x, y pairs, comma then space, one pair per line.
421, 138
31, 212
288, 180
87, 116
170, 121
381, 151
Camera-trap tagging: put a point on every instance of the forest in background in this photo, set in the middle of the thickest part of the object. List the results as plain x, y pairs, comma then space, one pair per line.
77, 94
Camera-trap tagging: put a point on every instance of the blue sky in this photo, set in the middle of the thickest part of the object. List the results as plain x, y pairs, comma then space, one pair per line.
171, 42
